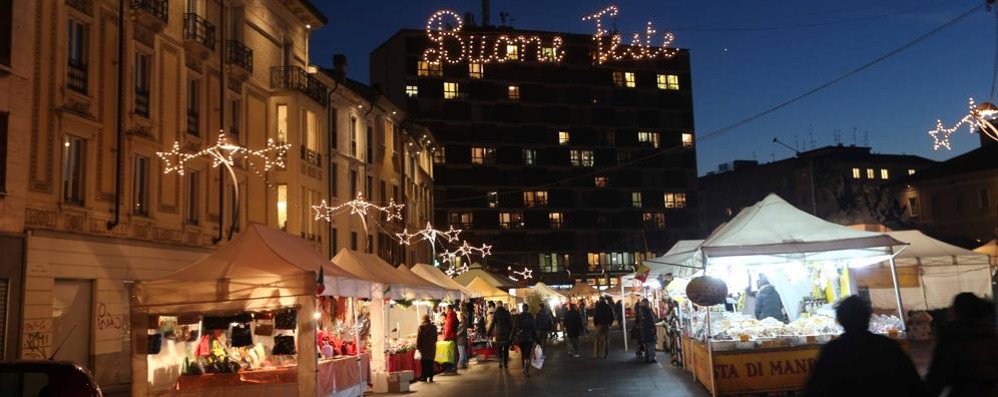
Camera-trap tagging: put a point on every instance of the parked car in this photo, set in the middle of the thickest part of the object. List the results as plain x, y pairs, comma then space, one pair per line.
40, 378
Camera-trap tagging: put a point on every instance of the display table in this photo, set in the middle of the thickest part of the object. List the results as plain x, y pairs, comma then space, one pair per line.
271, 376
405, 361
761, 370
342, 373
446, 351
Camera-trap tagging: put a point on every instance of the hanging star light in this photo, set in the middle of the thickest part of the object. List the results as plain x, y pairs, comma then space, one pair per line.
175, 159
428, 234
224, 152
466, 250
357, 206
979, 118
525, 273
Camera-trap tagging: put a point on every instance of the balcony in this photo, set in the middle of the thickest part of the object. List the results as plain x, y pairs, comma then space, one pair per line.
193, 123
295, 78
199, 34
241, 57
311, 157
77, 77
142, 102
154, 14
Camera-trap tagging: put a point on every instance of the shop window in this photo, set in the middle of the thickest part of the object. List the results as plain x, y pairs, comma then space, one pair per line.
675, 200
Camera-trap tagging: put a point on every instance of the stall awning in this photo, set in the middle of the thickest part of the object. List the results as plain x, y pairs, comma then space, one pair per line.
990, 249
773, 230
476, 270
259, 263
438, 277
446, 292
582, 289
547, 291
927, 251
371, 268
486, 290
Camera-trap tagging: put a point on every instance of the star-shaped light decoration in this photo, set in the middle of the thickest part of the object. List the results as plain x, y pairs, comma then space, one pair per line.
466, 250
429, 234
978, 119
323, 211
272, 156
175, 159
358, 206
525, 273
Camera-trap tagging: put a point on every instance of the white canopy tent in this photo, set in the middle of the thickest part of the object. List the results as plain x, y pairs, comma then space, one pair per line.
476, 270
944, 271
438, 277
990, 249
682, 260
773, 234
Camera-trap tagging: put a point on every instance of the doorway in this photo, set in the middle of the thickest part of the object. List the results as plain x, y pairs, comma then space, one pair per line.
72, 311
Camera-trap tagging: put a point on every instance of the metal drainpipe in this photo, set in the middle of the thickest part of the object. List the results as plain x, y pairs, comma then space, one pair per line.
329, 157
221, 127
120, 134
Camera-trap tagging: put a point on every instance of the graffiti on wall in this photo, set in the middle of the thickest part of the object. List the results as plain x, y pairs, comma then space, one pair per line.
105, 320
37, 339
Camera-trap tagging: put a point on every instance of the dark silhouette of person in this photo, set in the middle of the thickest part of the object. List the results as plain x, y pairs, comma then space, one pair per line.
965, 358
768, 302
860, 363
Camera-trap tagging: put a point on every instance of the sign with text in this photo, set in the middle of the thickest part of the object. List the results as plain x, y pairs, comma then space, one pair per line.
757, 371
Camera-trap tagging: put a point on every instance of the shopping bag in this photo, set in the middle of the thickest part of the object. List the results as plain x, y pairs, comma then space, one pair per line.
417, 355
538, 360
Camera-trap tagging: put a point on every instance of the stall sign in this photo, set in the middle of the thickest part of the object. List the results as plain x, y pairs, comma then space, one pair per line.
763, 371
707, 291
880, 277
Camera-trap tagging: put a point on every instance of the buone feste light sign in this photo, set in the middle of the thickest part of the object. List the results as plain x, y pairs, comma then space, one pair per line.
445, 30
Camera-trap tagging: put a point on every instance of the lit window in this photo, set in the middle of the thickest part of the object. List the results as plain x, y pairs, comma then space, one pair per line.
618, 79
549, 263
493, 198
73, 169
687, 139
555, 219
411, 91
675, 200
649, 137
667, 81
513, 93
855, 173
563, 137
636, 199
911, 171
884, 174
434, 69
462, 219
547, 54
140, 185
512, 52
629, 79
654, 219
282, 123
510, 220
282, 206
582, 158
440, 155
310, 140
529, 157
601, 181
476, 70
450, 90
870, 173
535, 199
483, 155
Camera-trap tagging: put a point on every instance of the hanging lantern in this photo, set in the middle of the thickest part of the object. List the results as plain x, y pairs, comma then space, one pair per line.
707, 291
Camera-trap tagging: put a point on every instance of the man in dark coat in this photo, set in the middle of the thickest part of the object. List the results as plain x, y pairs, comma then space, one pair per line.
602, 320
573, 327
860, 363
648, 330
525, 330
768, 302
426, 343
966, 353
501, 331
545, 324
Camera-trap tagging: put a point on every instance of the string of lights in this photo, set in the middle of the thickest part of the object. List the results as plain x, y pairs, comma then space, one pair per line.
358, 206
224, 152
608, 44
978, 118
445, 26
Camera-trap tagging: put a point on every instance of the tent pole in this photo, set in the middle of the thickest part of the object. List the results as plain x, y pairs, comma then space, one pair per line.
623, 315
356, 342
710, 351
897, 290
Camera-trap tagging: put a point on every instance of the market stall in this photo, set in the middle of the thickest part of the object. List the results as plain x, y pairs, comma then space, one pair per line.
477, 271
242, 322
991, 250
582, 290
438, 277
800, 266
930, 273
489, 292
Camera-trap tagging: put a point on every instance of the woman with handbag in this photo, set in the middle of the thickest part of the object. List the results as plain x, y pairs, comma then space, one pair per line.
525, 329
426, 344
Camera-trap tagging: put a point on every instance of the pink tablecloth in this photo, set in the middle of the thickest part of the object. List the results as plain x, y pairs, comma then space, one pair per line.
405, 361
261, 376
340, 374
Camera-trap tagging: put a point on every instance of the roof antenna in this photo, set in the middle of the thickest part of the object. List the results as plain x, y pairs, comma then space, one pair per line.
837, 135
810, 134
866, 138
854, 136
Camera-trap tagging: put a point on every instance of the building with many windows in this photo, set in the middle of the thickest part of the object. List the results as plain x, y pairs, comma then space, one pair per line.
842, 184
108, 92
573, 167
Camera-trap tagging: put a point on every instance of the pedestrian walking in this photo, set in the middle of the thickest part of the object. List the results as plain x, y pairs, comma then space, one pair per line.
545, 324
426, 343
860, 363
525, 329
584, 314
965, 358
573, 328
602, 320
501, 331
648, 330
461, 339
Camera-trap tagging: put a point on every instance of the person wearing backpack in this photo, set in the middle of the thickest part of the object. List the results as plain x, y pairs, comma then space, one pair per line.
525, 331
545, 324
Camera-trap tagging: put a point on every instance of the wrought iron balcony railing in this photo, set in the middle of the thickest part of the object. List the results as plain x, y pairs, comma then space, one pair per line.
296, 78
199, 30
311, 156
157, 8
77, 77
239, 54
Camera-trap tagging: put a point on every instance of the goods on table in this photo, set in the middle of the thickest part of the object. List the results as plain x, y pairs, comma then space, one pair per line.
730, 331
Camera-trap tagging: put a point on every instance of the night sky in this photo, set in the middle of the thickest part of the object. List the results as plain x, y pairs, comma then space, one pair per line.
749, 55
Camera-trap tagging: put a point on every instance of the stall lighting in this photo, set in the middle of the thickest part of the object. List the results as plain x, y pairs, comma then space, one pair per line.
317, 315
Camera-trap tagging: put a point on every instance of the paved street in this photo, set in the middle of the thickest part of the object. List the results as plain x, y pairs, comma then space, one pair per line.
620, 375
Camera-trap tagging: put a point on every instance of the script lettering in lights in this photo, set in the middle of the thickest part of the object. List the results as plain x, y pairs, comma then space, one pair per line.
608, 43
452, 45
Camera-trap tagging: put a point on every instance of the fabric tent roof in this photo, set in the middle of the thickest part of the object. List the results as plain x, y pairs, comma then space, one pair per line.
927, 251
259, 262
438, 277
681, 260
372, 268
476, 270
581, 289
990, 249
485, 289
546, 290
448, 291
774, 231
